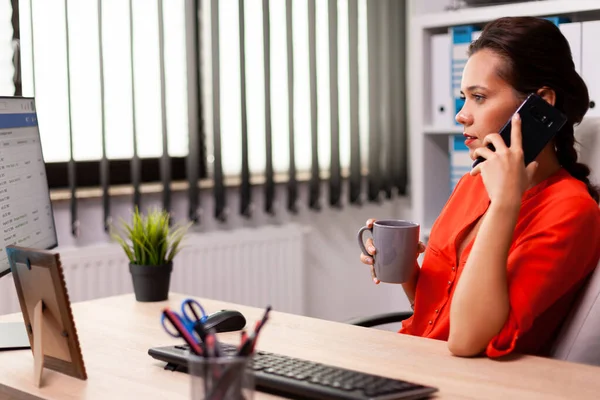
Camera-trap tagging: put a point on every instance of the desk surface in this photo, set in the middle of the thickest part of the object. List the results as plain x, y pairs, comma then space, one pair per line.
115, 334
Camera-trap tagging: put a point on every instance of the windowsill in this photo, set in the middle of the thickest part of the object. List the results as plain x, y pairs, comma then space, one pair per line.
57, 195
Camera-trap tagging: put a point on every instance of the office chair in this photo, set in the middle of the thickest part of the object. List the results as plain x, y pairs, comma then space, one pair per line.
380, 319
578, 339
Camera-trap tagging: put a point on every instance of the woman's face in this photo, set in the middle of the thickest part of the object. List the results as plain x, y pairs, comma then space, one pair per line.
489, 100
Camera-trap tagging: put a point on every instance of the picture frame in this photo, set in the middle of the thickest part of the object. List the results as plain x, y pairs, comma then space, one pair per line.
47, 314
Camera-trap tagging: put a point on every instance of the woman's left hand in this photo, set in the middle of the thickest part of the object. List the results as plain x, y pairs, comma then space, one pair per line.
503, 172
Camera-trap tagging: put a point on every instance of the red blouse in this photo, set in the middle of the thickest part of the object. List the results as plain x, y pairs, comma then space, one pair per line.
556, 245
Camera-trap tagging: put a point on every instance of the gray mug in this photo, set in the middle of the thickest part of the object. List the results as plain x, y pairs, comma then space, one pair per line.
397, 244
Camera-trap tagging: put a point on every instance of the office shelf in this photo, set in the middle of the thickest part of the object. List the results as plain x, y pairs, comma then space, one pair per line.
442, 130
480, 15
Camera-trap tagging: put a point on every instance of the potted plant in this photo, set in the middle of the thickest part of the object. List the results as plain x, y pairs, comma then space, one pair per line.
150, 244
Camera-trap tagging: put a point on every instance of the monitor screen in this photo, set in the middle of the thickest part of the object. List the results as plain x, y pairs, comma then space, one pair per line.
26, 217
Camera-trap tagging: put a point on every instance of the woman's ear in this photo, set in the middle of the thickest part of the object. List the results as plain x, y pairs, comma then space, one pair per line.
547, 94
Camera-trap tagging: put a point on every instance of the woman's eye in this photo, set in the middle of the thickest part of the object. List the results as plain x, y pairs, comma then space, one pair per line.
478, 98
462, 97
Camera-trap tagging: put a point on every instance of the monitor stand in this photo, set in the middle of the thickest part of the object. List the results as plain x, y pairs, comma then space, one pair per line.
13, 336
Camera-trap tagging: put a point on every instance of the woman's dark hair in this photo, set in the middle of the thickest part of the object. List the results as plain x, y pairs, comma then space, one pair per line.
537, 55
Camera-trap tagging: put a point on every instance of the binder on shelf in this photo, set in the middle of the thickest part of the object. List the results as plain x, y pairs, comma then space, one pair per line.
441, 90
461, 38
590, 59
460, 162
557, 20
572, 32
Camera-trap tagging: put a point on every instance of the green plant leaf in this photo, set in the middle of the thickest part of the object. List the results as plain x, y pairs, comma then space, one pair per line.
126, 248
149, 239
175, 240
143, 251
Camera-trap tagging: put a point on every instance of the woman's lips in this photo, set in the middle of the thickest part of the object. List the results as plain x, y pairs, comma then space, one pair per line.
469, 139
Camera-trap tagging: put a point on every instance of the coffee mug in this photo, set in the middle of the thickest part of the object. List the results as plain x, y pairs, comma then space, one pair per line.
397, 244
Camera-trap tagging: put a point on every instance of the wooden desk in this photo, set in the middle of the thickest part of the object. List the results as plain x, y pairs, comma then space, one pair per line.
116, 333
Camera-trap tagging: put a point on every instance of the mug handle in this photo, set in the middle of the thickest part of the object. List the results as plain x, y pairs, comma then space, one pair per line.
361, 243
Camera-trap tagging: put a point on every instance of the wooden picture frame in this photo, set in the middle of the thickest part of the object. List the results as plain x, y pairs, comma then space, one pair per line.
46, 308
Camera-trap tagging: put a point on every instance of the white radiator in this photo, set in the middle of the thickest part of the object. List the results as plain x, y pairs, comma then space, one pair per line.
255, 267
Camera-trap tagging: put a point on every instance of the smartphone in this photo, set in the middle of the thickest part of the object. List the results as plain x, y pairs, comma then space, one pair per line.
540, 121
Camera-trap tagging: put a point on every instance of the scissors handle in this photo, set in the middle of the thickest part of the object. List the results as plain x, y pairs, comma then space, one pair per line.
182, 330
197, 311
170, 330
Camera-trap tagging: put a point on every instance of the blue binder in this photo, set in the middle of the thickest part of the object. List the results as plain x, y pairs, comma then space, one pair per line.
461, 38
558, 20
460, 162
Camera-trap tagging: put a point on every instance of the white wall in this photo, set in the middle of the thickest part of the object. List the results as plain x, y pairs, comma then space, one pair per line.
588, 144
340, 287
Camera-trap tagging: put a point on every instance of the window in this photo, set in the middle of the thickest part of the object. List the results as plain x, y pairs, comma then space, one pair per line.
255, 94
137, 76
64, 73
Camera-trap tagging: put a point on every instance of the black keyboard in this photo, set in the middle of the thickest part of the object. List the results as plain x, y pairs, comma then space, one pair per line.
296, 378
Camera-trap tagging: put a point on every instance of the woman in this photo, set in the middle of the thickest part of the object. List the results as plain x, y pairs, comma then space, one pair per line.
513, 244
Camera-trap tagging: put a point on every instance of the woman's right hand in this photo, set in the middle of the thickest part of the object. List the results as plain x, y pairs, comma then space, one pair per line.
368, 259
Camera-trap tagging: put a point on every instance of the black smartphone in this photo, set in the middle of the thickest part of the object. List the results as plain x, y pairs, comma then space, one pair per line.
540, 121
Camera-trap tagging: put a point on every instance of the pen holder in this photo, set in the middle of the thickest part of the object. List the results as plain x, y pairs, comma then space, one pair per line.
220, 378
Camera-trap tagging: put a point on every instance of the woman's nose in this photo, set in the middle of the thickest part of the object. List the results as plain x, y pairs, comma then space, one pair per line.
463, 118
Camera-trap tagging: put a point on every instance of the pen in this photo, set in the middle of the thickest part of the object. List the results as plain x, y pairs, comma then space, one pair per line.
218, 347
259, 327
247, 347
212, 369
210, 345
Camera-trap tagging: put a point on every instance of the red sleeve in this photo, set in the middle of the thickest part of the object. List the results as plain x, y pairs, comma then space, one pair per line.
556, 251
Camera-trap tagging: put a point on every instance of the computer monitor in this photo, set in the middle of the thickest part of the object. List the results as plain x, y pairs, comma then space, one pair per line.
26, 217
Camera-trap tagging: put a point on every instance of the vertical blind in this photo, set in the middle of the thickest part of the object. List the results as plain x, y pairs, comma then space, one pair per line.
294, 92
111, 84
307, 90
